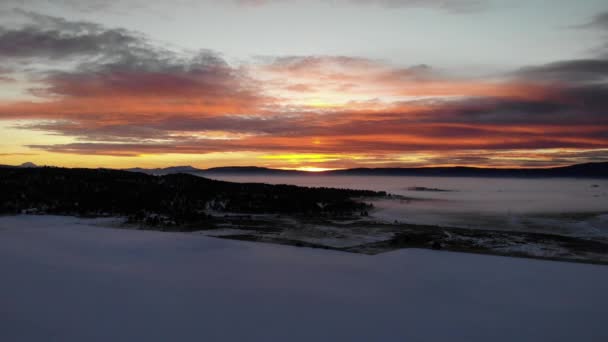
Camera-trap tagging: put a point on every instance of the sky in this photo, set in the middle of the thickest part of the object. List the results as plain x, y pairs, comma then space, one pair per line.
309, 85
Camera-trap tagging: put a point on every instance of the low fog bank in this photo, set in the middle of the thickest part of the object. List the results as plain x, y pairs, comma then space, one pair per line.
576, 207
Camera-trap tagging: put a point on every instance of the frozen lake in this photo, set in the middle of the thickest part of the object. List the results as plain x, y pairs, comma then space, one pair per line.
576, 207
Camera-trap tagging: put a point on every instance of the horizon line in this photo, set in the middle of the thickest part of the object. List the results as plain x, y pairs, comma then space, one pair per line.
311, 169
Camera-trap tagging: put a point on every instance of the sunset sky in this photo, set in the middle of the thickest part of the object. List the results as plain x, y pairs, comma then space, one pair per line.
303, 84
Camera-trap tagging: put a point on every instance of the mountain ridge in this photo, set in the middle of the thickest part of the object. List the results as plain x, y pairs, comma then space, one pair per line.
584, 170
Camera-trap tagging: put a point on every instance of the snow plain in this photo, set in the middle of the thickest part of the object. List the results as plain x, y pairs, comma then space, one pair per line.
67, 279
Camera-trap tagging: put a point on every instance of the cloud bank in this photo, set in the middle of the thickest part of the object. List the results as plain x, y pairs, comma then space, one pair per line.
122, 95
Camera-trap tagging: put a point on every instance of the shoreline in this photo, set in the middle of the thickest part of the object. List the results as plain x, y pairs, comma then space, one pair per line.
349, 237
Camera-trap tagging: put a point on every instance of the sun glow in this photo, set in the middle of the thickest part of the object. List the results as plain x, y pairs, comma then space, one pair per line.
319, 103
303, 157
310, 169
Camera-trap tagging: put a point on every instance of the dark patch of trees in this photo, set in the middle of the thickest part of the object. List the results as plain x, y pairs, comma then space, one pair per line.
157, 200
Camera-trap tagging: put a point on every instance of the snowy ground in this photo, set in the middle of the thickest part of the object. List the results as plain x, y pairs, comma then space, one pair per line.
64, 279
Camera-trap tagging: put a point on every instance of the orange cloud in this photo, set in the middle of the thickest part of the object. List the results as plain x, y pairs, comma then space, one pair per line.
347, 111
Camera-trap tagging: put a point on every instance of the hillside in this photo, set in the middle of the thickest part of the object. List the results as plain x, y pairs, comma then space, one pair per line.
176, 198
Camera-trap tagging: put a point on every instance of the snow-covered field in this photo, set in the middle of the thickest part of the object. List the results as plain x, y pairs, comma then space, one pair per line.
66, 279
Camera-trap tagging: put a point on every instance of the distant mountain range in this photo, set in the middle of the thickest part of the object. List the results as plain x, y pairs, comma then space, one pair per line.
587, 170
233, 170
24, 165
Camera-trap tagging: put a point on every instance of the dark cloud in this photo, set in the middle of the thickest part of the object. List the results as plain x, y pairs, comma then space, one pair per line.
578, 105
33, 42
205, 77
575, 92
316, 63
530, 159
38, 36
599, 21
119, 63
262, 125
78, 5
573, 71
91, 131
165, 128
32, 18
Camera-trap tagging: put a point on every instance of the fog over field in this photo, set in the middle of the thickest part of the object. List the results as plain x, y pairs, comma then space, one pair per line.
577, 207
